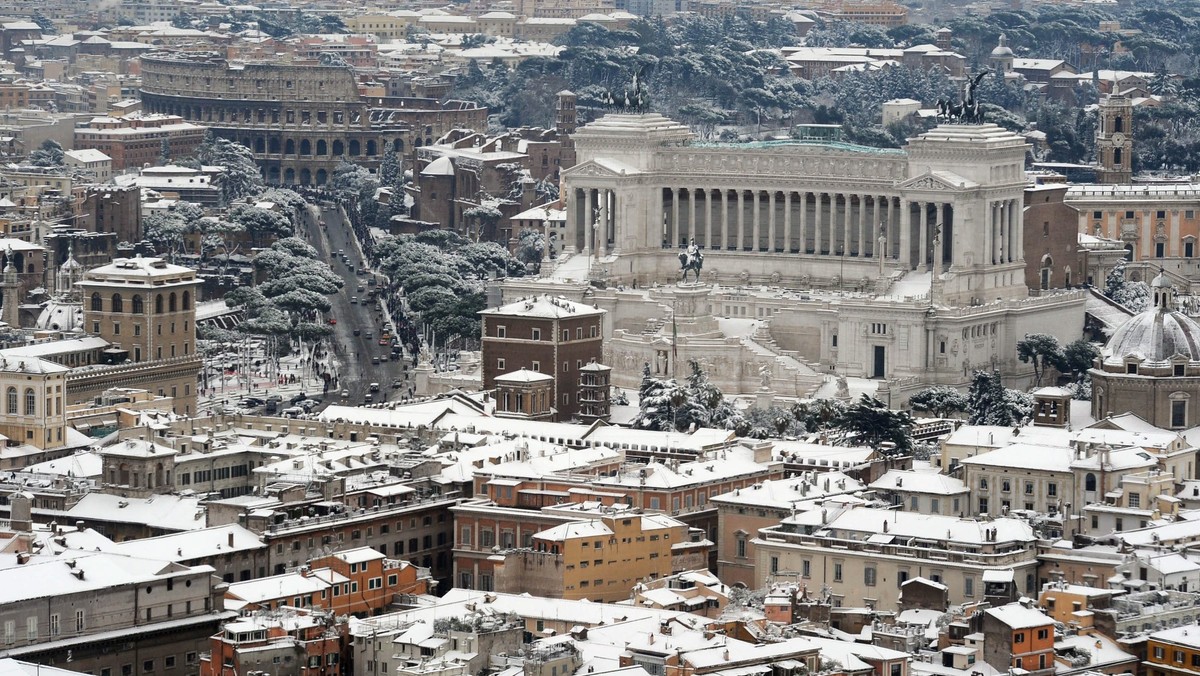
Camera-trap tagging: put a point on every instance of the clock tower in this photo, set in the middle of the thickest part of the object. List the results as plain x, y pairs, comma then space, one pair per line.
1114, 145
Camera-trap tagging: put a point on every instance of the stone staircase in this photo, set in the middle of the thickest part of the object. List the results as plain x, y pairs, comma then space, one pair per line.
806, 377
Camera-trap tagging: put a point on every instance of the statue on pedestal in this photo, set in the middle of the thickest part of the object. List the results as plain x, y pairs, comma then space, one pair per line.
967, 112
690, 259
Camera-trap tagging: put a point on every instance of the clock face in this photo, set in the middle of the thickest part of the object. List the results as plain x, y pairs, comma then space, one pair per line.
1118, 139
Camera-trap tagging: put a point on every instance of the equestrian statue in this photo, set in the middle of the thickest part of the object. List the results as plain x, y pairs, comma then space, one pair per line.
690, 259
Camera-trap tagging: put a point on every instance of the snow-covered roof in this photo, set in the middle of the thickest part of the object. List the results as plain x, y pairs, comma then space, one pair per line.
163, 512
196, 544
11, 363
1017, 616
933, 483
544, 307
87, 155
860, 520
442, 166
54, 575
524, 376
786, 493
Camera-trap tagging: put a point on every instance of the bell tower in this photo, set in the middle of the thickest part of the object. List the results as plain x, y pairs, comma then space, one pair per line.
1114, 144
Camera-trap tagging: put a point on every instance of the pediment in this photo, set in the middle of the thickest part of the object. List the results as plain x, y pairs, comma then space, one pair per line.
601, 168
939, 181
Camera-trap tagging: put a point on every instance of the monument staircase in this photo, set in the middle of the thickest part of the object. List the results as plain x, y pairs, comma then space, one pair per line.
807, 377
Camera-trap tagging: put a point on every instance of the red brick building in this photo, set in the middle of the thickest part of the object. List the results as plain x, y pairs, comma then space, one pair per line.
136, 140
547, 335
291, 642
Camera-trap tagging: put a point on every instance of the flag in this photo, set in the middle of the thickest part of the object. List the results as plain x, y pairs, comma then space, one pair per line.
674, 338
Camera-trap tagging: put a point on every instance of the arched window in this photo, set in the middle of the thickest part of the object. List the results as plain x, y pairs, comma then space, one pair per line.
137, 305
118, 305
97, 304
171, 303
1089, 482
30, 402
12, 401
187, 300
158, 304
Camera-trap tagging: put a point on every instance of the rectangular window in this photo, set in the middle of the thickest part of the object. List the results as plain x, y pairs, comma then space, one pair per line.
501, 332
536, 367
837, 572
806, 568
31, 628
1052, 489
774, 564
1019, 637
968, 586
1178, 414
55, 625
499, 364
1135, 500
869, 576
80, 625
537, 334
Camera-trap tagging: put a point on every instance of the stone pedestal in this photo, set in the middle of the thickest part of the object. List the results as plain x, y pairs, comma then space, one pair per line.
693, 314
764, 398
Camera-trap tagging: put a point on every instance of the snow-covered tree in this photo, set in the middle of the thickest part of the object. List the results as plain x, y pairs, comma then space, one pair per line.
48, 154
940, 400
1135, 296
1043, 350
240, 176
868, 422
993, 404
260, 224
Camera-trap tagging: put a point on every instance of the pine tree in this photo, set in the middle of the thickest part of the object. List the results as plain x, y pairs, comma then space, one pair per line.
164, 152
988, 403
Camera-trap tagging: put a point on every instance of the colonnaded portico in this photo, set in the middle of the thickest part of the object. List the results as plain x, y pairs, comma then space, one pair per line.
801, 213
820, 259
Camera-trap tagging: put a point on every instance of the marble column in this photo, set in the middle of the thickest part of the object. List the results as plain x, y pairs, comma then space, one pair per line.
879, 221
803, 222
602, 245
821, 241
862, 227
691, 215
741, 220
1018, 225
756, 218
771, 222
906, 254
708, 219
589, 220
724, 218
787, 221
674, 241
923, 224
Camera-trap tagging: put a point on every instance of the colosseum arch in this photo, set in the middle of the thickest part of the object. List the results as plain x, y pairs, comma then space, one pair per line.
355, 148
273, 146
322, 176
305, 147
305, 176
289, 147
322, 147
371, 148
273, 175
289, 176
398, 145
260, 145
339, 148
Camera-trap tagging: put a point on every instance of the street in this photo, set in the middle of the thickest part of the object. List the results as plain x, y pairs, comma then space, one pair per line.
353, 354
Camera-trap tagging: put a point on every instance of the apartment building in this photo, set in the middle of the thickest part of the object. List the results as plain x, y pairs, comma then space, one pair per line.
863, 554
600, 559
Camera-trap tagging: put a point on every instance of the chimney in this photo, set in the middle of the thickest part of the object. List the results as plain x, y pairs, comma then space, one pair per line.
230, 538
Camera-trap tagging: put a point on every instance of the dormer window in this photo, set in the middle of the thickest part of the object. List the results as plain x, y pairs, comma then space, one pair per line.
1131, 368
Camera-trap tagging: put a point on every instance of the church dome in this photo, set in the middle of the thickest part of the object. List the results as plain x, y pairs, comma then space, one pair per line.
1002, 49
60, 315
1156, 334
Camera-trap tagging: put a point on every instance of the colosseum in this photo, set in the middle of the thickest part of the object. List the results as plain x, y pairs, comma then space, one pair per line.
300, 120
